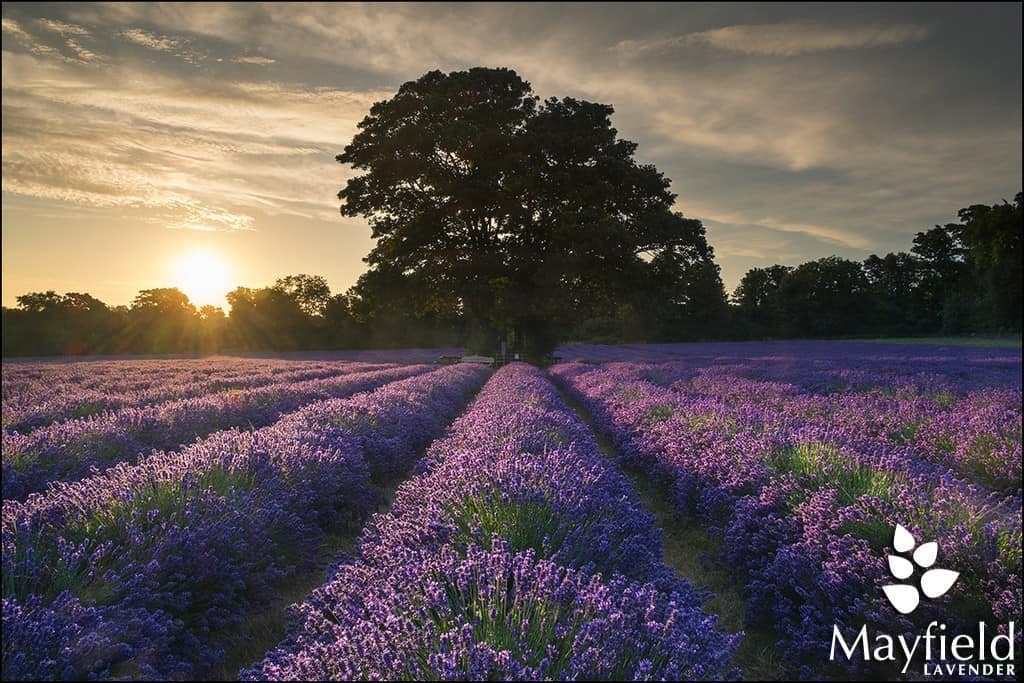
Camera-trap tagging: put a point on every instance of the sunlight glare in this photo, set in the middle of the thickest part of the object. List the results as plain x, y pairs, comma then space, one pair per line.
203, 277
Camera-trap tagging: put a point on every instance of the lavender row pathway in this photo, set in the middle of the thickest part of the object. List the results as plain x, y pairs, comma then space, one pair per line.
690, 551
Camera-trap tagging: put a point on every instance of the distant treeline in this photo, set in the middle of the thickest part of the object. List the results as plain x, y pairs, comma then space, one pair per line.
298, 312
958, 278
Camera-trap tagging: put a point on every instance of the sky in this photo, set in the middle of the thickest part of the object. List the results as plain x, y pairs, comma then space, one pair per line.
154, 145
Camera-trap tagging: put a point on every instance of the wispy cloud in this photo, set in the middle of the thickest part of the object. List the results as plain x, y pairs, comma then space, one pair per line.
63, 28
205, 161
756, 245
84, 54
151, 40
843, 238
27, 40
786, 40
71, 34
175, 45
198, 216
258, 61
827, 234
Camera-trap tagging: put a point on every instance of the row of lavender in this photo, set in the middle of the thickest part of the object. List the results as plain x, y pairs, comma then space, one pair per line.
48, 401
65, 451
519, 553
794, 350
826, 367
804, 470
968, 424
132, 573
25, 382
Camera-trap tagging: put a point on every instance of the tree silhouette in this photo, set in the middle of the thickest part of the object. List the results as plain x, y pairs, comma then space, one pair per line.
40, 302
991, 236
163, 301
162, 320
267, 318
513, 212
944, 268
757, 296
961, 277
895, 287
310, 292
826, 297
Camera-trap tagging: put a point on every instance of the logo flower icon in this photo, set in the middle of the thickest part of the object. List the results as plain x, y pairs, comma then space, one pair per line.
934, 582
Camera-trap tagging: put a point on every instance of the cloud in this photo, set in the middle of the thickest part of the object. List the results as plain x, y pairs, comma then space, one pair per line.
843, 238
84, 54
71, 33
198, 216
27, 40
63, 28
399, 39
151, 40
751, 246
178, 46
831, 235
848, 151
258, 61
785, 40
202, 155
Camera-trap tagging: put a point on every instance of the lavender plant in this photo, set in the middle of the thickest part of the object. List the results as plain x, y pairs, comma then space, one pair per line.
485, 567
70, 450
189, 541
804, 469
52, 402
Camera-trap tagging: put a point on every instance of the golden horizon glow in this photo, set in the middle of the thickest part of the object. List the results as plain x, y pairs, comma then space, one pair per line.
203, 276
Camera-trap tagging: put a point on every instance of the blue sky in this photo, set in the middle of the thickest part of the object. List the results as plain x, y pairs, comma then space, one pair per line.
133, 134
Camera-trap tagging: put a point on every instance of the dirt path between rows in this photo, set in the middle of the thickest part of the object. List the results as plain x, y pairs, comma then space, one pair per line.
691, 552
687, 549
249, 641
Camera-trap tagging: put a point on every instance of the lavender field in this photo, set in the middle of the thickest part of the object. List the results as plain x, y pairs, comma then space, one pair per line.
649, 512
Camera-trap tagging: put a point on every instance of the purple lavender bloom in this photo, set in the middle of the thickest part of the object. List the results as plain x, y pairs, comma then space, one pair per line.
480, 614
194, 539
70, 450
42, 402
804, 463
449, 585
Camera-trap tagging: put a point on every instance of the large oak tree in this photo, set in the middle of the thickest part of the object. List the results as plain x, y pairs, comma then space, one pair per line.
519, 214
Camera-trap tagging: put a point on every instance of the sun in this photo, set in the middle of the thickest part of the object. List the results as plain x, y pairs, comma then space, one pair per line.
203, 277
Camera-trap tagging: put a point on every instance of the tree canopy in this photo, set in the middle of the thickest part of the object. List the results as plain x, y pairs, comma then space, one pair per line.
518, 213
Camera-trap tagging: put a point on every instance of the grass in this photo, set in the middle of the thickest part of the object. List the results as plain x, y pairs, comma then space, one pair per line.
659, 413
249, 641
19, 461
523, 524
995, 342
822, 465
875, 530
87, 577
502, 622
689, 550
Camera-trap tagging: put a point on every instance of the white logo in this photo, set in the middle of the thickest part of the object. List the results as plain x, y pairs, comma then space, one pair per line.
943, 654
934, 582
